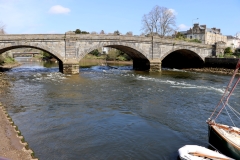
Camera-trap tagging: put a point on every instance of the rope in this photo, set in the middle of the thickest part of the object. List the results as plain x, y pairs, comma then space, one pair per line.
230, 116
226, 91
228, 97
214, 147
233, 110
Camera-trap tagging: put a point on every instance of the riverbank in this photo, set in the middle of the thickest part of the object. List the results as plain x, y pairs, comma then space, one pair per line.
12, 143
213, 70
9, 66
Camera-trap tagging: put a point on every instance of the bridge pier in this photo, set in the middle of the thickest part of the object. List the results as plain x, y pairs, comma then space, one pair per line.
155, 65
141, 64
69, 68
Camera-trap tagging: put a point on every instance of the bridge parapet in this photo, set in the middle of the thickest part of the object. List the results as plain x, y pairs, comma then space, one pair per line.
31, 36
107, 37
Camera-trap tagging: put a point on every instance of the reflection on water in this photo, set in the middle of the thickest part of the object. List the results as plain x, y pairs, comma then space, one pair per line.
112, 112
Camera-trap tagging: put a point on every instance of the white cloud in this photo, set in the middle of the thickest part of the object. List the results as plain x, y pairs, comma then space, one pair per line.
183, 27
173, 11
58, 9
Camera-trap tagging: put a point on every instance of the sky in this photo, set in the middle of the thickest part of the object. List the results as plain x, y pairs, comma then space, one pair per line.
60, 16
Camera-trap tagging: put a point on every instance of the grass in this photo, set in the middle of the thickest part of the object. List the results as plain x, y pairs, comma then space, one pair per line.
9, 60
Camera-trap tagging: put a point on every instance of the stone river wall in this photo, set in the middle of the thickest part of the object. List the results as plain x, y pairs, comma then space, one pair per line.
12, 144
228, 63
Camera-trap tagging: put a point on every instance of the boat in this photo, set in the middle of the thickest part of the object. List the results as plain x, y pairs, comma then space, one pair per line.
195, 152
224, 137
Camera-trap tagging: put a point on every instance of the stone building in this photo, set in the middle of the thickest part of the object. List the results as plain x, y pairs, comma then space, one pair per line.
206, 35
233, 42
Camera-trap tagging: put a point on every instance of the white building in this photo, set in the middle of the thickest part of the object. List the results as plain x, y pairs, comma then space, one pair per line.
105, 50
233, 42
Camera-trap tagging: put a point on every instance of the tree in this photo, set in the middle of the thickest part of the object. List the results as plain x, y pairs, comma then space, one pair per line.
160, 21
116, 32
129, 33
227, 50
84, 32
78, 31
102, 32
180, 35
2, 28
95, 52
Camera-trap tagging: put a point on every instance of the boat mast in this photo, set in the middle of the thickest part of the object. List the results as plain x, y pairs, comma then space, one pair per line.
227, 94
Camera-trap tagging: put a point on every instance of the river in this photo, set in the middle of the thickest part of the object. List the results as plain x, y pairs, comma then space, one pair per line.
109, 113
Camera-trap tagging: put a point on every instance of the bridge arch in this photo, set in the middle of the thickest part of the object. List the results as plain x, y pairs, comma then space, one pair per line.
128, 48
182, 58
138, 55
38, 46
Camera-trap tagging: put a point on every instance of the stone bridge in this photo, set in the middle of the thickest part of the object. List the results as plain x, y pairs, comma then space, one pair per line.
24, 54
147, 53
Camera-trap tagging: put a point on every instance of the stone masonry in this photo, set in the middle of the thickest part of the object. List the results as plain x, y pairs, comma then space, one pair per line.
147, 53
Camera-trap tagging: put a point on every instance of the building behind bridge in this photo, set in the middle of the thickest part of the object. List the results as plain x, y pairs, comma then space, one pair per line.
206, 35
233, 42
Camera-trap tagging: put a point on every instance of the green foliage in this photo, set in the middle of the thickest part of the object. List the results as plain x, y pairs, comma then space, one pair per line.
9, 60
116, 32
78, 31
46, 56
84, 32
121, 56
229, 55
1, 60
6, 60
220, 56
180, 35
195, 40
227, 50
95, 52
118, 55
237, 53
111, 56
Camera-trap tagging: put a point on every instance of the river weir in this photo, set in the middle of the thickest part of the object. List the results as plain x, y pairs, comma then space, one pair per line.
111, 112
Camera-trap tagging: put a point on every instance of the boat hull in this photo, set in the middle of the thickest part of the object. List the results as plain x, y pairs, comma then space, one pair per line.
195, 152
222, 144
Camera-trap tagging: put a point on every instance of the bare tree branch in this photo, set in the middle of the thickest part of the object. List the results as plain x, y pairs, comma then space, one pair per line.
238, 35
159, 20
2, 28
130, 33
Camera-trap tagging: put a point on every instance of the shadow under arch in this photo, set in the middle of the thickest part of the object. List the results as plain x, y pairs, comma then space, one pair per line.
182, 58
140, 61
55, 55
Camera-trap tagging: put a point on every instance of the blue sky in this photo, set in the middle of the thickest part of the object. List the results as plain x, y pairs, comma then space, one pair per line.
60, 16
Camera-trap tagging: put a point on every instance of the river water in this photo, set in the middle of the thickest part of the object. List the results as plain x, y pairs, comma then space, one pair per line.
109, 113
